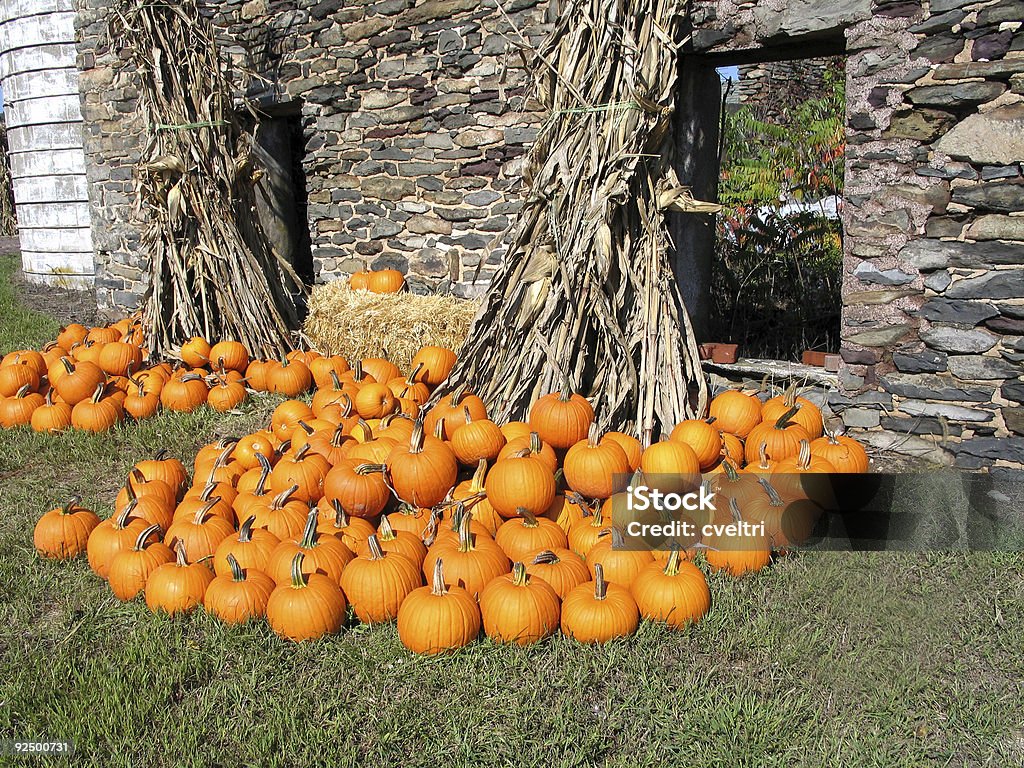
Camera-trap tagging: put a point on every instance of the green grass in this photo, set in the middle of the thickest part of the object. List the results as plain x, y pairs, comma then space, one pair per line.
828, 659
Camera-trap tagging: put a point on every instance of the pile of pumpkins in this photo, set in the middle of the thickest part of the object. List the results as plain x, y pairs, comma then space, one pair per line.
445, 521
92, 378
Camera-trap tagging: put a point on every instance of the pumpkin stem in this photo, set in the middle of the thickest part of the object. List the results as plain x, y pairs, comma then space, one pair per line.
98, 394
762, 452
535, 444
783, 421
465, 411
205, 510
208, 489
519, 575
340, 515
161, 455
308, 540
49, 396
416, 438
282, 498
237, 574
306, 428
20, 394
69, 508
181, 558
438, 588
529, 519
439, 429
546, 557
734, 508
411, 379
357, 371
385, 531
346, 410
466, 541
803, 460
730, 471
338, 434
265, 470
121, 518
298, 577
618, 538
600, 586
477, 483
369, 469
335, 381
245, 531
789, 396
594, 434
376, 552
69, 367
140, 540
773, 496
672, 566
301, 453
457, 394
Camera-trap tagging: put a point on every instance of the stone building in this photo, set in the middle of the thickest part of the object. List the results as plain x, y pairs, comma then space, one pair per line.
405, 122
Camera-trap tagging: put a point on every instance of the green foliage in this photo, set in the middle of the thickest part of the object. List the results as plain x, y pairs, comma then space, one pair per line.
777, 276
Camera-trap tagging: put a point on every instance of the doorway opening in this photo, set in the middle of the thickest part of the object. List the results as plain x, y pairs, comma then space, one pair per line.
776, 275
282, 198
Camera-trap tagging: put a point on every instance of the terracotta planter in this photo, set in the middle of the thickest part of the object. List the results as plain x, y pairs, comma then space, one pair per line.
724, 353
706, 351
810, 357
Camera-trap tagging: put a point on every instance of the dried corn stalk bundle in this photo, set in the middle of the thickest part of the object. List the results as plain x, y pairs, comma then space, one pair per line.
213, 272
587, 293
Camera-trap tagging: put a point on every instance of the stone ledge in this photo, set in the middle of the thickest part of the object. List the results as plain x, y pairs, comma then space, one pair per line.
779, 369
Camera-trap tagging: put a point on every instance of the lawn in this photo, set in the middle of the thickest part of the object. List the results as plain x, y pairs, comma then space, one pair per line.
862, 659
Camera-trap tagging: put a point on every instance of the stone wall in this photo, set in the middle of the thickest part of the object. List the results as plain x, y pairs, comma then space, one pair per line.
776, 87
415, 118
933, 285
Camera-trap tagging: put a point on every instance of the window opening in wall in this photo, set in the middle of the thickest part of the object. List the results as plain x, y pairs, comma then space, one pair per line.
776, 275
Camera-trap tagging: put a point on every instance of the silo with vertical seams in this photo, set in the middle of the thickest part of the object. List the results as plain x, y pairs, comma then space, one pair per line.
44, 122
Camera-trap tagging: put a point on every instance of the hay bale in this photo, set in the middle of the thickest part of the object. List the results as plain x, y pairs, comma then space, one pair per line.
358, 324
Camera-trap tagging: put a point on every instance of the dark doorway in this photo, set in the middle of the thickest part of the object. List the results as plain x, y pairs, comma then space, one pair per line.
282, 198
766, 273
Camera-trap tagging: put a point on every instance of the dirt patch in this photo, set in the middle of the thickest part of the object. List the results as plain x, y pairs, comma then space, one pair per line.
64, 304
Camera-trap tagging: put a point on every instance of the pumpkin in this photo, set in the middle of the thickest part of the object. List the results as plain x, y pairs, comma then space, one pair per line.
736, 552
586, 532
207, 500
166, 468
788, 521
703, 437
324, 553
451, 412
432, 364
378, 582
373, 401
561, 419
735, 412
178, 586
518, 608
256, 375
447, 529
409, 388
380, 369
670, 466
97, 414
515, 429
240, 595
17, 410
359, 281
184, 394
286, 417
620, 565
629, 445
63, 533
15, 377
249, 449
51, 417
561, 568
283, 515
334, 445
844, 453
438, 618
403, 542
519, 482
130, 568
322, 369
29, 358
304, 470
202, 533
732, 447
535, 446
230, 355
195, 353
251, 549
524, 535
598, 611
781, 438
415, 520
359, 488
807, 414
335, 521
386, 281
71, 334
476, 439
566, 509
141, 405
472, 561
473, 495
306, 607
152, 509
226, 395
676, 593
119, 358
111, 536
423, 473
289, 378
594, 469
